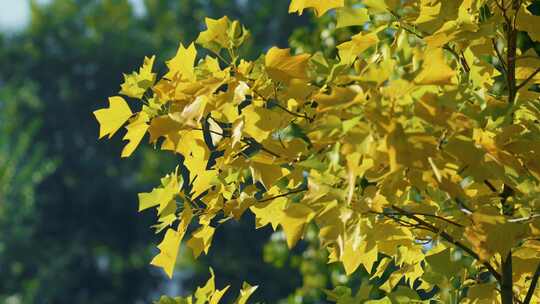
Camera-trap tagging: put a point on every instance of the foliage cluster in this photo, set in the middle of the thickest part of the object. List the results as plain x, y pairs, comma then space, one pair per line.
413, 151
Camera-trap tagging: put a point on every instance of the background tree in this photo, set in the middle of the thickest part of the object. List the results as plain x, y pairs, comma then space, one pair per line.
413, 153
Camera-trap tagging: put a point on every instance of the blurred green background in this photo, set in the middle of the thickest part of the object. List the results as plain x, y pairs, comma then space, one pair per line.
69, 227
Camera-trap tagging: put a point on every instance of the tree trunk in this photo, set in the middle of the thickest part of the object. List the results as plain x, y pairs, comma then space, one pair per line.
507, 294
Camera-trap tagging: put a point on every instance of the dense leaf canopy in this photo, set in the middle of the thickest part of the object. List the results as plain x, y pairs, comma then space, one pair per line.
414, 151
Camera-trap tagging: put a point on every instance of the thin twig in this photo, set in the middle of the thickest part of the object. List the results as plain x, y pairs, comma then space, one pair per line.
524, 219
283, 195
499, 55
440, 218
449, 239
524, 83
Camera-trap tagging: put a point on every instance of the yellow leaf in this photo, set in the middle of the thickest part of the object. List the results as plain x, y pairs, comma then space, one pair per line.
165, 221
218, 294
245, 293
168, 251
527, 22
396, 141
320, 6
162, 126
159, 196
135, 132
215, 37
485, 293
201, 240
349, 16
357, 166
435, 70
204, 178
525, 67
270, 212
354, 257
381, 6
295, 218
112, 118
192, 113
433, 14
267, 174
136, 84
491, 234
260, 122
348, 51
202, 293
281, 66
182, 64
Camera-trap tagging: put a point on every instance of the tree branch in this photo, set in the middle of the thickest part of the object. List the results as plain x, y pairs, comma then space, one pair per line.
524, 83
507, 293
499, 56
524, 219
450, 239
532, 287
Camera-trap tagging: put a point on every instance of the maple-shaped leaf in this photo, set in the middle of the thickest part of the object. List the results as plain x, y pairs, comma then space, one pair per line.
270, 212
192, 113
281, 66
166, 259
435, 70
528, 22
361, 255
112, 118
294, 221
135, 133
216, 35
136, 83
163, 126
201, 239
381, 6
348, 51
245, 293
182, 64
320, 6
208, 293
160, 196
350, 16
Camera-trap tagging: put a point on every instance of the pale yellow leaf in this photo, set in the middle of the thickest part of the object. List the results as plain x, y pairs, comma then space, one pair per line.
182, 64
112, 118
295, 218
270, 212
435, 70
168, 251
215, 37
348, 51
245, 293
135, 133
281, 66
136, 84
320, 6
217, 295
201, 240
349, 16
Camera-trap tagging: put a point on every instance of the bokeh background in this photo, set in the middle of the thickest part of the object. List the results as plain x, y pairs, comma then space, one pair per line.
69, 227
